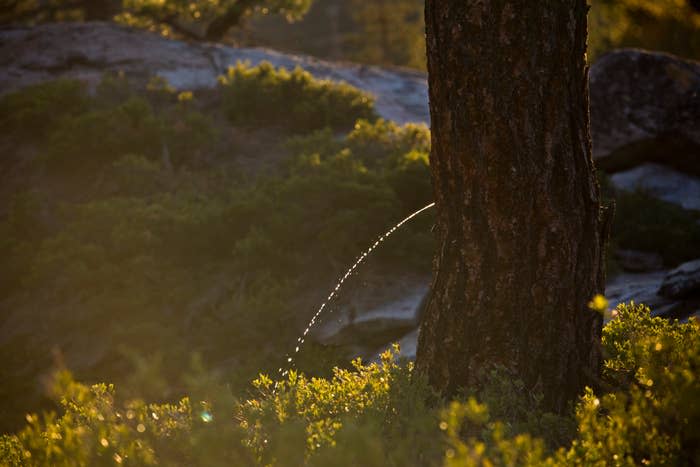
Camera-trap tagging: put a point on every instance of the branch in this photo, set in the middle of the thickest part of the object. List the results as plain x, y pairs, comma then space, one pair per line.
180, 29
231, 17
170, 20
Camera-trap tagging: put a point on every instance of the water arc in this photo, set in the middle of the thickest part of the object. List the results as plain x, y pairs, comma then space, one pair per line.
339, 284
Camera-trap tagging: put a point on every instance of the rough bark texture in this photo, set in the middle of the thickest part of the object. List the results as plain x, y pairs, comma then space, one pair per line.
520, 236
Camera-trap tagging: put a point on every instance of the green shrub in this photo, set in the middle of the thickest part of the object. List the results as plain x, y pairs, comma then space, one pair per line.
645, 223
376, 144
376, 414
650, 418
263, 95
647, 420
385, 414
97, 137
97, 429
32, 112
134, 175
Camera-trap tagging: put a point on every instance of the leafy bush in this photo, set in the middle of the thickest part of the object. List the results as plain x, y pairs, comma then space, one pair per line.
385, 414
34, 110
263, 95
398, 153
373, 406
96, 429
649, 418
82, 133
93, 138
645, 223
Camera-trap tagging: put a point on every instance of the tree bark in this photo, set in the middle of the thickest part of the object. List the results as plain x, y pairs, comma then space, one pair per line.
518, 218
232, 17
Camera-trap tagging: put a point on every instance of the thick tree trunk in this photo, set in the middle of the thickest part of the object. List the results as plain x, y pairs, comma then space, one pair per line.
520, 238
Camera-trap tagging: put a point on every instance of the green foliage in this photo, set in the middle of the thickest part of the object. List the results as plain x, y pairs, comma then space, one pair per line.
385, 414
667, 25
263, 95
391, 32
81, 133
98, 429
399, 153
32, 111
645, 223
373, 414
646, 420
197, 19
649, 420
100, 136
152, 261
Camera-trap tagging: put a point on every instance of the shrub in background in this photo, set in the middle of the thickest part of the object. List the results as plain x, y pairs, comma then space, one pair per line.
263, 95
32, 111
645, 223
385, 414
94, 138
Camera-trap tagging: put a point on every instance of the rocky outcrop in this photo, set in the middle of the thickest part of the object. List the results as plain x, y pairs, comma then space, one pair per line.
682, 282
645, 107
661, 182
382, 311
640, 288
86, 51
639, 261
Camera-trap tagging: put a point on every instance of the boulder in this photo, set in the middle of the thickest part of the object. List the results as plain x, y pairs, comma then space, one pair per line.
661, 182
645, 107
682, 282
380, 313
86, 51
640, 288
639, 261
643, 288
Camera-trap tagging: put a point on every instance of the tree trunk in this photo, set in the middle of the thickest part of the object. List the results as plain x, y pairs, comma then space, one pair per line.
101, 10
520, 237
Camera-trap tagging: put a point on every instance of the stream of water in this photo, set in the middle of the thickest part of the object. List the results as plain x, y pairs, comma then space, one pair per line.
339, 284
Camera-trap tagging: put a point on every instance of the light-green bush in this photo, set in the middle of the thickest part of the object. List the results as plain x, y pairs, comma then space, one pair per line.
264, 95
31, 112
643, 222
385, 414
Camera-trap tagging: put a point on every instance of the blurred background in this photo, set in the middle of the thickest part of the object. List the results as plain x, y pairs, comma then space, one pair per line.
382, 32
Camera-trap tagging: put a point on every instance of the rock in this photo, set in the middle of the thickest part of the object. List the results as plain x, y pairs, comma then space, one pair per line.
682, 282
379, 314
640, 288
645, 107
86, 51
639, 261
661, 182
